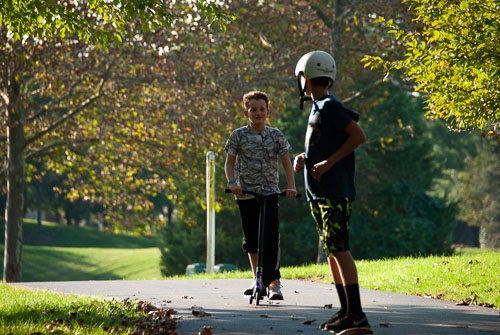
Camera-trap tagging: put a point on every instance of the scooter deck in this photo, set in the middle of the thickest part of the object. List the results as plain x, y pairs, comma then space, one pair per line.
354, 331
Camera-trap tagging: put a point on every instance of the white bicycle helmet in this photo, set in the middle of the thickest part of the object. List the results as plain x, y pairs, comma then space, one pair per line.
314, 64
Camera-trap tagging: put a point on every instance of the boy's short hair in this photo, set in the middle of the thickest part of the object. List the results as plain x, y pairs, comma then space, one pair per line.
321, 81
255, 95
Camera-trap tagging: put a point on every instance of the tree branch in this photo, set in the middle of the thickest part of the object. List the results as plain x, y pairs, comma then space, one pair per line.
68, 115
322, 15
45, 107
41, 151
369, 87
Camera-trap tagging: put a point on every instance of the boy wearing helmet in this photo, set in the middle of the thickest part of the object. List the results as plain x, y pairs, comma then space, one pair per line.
329, 165
252, 164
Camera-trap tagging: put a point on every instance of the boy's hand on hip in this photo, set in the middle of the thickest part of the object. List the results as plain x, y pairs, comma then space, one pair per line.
298, 163
319, 169
291, 193
235, 189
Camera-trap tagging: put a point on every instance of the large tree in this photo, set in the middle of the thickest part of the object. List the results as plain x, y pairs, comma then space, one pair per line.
453, 59
259, 51
70, 95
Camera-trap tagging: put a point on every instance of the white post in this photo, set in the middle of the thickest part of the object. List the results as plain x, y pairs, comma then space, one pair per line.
210, 211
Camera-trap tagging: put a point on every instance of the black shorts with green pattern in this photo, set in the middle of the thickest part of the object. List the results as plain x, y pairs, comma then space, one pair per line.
332, 223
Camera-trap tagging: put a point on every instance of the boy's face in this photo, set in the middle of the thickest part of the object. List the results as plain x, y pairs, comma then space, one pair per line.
257, 112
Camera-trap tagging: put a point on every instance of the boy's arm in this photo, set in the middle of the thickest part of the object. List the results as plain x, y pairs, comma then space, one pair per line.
355, 138
291, 192
229, 170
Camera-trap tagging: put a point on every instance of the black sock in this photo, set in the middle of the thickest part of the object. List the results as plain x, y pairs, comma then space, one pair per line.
353, 300
342, 298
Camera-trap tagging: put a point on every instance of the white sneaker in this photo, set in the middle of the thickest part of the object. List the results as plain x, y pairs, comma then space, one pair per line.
275, 290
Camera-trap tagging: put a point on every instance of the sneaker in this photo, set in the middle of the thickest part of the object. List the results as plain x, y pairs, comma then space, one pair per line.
274, 291
249, 291
347, 322
339, 315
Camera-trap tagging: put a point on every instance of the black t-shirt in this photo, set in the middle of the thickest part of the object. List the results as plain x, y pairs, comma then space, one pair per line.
325, 135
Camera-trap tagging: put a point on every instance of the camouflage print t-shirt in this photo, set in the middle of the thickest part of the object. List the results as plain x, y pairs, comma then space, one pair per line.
257, 153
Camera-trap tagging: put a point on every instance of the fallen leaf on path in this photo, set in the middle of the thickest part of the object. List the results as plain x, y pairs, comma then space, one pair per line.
207, 330
328, 306
143, 306
200, 314
465, 302
384, 324
308, 322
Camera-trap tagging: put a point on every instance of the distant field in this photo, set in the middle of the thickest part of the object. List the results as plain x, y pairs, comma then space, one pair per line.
84, 253
41, 263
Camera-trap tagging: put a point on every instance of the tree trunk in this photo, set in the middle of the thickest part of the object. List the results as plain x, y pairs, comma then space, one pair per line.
338, 31
39, 206
15, 188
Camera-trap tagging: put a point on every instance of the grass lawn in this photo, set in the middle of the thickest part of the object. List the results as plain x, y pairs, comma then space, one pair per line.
90, 263
25, 311
63, 252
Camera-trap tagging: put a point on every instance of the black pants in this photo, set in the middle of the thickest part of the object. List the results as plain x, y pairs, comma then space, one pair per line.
249, 213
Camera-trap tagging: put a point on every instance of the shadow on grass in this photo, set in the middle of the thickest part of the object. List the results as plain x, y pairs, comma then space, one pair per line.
56, 265
57, 235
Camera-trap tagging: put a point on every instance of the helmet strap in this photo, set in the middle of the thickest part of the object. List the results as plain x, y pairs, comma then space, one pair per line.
303, 96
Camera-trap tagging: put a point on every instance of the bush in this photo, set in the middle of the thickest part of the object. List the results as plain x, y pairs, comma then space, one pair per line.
186, 244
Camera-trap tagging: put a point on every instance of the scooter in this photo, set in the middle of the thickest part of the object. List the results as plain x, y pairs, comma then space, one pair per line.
262, 200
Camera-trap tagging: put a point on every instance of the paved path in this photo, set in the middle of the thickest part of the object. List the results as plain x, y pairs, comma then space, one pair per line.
300, 313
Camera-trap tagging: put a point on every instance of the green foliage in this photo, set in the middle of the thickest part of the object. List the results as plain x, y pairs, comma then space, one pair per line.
470, 179
396, 170
479, 193
183, 245
186, 244
92, 20
453, 59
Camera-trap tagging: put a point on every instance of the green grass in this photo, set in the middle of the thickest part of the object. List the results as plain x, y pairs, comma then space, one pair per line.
471, 275
57, 235
89, 263
65, 253
25, 311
